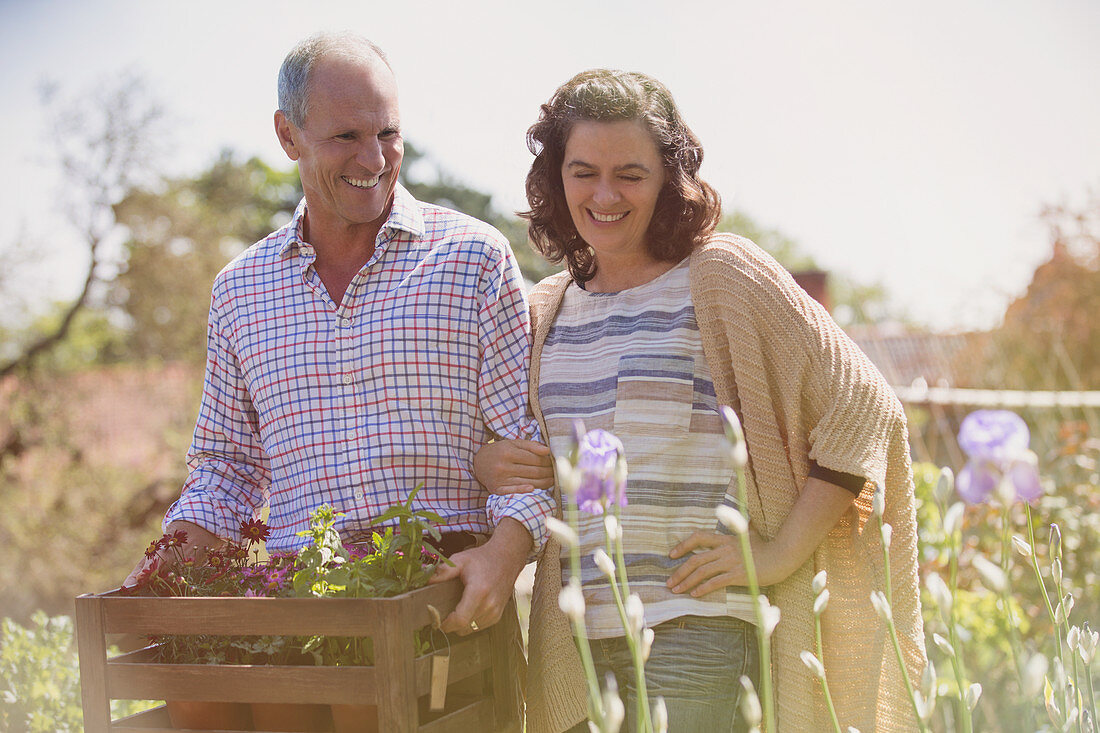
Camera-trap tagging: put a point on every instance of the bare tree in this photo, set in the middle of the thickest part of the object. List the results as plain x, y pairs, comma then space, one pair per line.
105, 143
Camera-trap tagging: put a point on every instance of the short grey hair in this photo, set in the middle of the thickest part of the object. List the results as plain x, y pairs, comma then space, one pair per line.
294, 73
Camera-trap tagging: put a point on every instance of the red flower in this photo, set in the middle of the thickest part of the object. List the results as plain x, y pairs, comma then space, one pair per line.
255, 530
153, 548
176, 539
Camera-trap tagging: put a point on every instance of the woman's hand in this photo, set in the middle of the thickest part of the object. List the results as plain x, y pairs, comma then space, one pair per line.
715, 562
514, 466
719, 563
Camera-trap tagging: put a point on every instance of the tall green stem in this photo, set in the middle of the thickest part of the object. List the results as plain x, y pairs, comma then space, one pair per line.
894, 637
824, 680
580, 633
762, 635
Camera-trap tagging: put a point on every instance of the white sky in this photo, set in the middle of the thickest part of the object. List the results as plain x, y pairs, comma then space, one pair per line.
911, 144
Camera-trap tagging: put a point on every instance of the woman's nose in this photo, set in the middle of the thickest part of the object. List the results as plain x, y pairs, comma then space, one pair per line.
605, 193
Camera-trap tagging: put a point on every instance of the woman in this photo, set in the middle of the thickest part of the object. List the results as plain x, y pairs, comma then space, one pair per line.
655, 323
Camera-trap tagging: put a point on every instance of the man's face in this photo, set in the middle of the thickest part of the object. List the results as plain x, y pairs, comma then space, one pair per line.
349, 147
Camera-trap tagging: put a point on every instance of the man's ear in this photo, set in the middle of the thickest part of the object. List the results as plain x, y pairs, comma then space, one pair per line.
286, 132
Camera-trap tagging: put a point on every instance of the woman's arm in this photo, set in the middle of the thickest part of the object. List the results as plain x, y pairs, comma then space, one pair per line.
717, 560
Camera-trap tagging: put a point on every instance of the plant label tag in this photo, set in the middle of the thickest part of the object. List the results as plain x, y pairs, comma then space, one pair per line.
441, 664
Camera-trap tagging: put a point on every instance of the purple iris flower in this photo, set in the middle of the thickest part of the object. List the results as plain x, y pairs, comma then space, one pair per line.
601, 484
996, 442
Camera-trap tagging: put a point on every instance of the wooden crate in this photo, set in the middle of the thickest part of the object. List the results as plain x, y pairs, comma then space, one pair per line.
394, 683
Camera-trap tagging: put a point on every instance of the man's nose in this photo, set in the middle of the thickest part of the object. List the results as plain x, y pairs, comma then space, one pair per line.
370, 156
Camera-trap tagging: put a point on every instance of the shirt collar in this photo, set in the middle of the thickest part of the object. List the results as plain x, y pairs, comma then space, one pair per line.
404, 216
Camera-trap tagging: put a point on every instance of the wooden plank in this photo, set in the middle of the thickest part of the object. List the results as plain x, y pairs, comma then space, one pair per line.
256, 616
151, 719
477, 716
393, 654
92, 650
243, 683
468, 657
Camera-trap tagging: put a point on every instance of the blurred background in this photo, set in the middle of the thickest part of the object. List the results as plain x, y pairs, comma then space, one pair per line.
930, 172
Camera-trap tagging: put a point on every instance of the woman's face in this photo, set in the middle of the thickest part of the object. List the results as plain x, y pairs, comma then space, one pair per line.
612, 174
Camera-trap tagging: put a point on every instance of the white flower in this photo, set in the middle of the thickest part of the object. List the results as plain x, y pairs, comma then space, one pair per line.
1035, 671
887, 535
952, 519
878, 502
1073, 638
1056, 571
770, 615
813, 663
613, 710
928, 681
1021, 545
1061, 613
945, 484
992, 576
739, 454
944, 645
882, 606
647, 643
660, 715
939, 591
732, 518
604, 562
635, 614
821, 602
569, 479
1055, 541
750, 704
819, 582
613, 527
972, 694
571, 600
562, 532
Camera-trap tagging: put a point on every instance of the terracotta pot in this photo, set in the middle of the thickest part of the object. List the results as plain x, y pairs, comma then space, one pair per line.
202, 715
284, 716
355, 718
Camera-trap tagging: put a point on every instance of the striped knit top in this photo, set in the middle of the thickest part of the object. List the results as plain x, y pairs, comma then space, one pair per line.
632, 363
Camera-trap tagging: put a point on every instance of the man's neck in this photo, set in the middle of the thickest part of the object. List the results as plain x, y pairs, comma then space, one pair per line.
342, 250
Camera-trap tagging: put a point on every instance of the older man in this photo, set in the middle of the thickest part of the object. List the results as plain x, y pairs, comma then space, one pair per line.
371, 345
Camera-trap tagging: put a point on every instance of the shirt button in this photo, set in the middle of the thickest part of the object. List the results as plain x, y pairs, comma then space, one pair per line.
346, 322
348, 379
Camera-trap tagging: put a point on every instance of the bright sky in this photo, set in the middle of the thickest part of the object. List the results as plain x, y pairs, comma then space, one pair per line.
911, 144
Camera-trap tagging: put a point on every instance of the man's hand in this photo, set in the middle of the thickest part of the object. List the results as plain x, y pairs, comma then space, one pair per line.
489, 573
198, 541
514, 466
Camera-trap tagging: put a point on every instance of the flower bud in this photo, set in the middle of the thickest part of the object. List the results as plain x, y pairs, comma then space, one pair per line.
569, 479
1073, 638
613, 527
1055, 541
635, 614
882, 606
604, 562
952, 519
821, 602
813, 664
732, 518
819, 582
1087, 646
770, 615
928, 681
945, 485
750, 704
944, 645
878, 502
660, 715
571, 600
1021, 545
731, 424
992, 576
1035, 671
647, 643
887, 535
562, 532
940, 593
1056, 570
972, 694
1062, 611
614, 712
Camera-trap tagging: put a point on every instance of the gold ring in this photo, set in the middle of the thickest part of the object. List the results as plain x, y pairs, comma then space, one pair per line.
474, 626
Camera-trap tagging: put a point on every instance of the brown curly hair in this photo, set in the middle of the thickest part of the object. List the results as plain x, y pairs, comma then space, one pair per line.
687, 210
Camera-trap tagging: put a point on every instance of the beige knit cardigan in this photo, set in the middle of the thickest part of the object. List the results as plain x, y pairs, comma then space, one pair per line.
804, 391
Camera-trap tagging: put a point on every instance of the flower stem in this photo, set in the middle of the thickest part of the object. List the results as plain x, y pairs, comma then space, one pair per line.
824, 681
953, 634
580, 633
615, 549
763, 637
894, 637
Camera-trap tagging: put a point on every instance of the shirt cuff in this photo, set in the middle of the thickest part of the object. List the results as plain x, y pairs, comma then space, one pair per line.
199, 507
530, 510
846, 481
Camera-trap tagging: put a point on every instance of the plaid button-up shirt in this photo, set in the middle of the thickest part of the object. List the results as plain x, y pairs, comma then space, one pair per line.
307, 402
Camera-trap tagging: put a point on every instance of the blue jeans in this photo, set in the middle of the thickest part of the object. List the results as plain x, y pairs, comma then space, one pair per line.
696, 665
